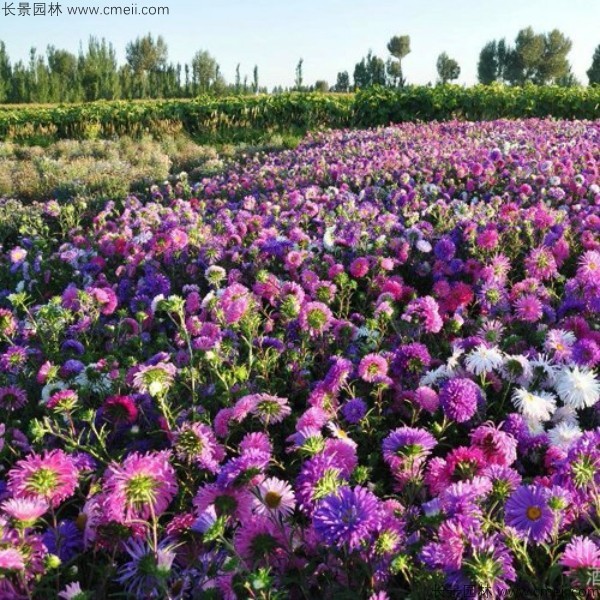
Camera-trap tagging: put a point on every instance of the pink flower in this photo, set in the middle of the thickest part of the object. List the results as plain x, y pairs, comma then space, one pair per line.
11, 559
25, 509
581, 553
140, 488
105, 298
51, 476
359, 267
274, 497
373, 368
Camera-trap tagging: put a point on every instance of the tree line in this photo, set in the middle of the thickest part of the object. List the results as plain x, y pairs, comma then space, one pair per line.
94, 73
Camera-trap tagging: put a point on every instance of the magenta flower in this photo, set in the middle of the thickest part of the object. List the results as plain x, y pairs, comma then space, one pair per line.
315, 318
51, 476
581, 554
141, 487
373, 368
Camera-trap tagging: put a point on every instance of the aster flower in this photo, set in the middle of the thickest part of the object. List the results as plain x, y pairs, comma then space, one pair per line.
459, 398
578, 387
261, 541
347, 517
536, 407
315, 318
64, 541
528, 512
140, 488
26, 510
498, 446
425, 311
147, 571
505, 480
274, 497
407, 444
581, 556
373, 369
197, 443
120, 410
12, 398
51, 476
8, 323
564, 434
155, 379
488, 565
517, 368
560, 343
354, 410
73, 591
270, 409
483, 360
227, 501
12, 559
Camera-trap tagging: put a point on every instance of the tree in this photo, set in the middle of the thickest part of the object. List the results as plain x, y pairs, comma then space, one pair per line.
398, 47
238, 79
487, 67
370, 71
5, 74
145, 55
64, 75
299, 75
204, 72
593, 72
255, 80
447, 68
321, 86
555, 66
342, 83
98, 71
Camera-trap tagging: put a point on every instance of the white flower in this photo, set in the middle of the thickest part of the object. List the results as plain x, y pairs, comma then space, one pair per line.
578, 387
565, 414
424, 246
517, 368
432, 377
483, 360
328, 238
537, 407
155, 302
535, 427
564, 434
453, 363
548, 370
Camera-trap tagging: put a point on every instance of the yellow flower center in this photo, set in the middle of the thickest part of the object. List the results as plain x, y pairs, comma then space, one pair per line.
534, 513
272, 499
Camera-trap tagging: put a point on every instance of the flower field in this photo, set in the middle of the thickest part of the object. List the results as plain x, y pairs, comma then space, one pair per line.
364, 368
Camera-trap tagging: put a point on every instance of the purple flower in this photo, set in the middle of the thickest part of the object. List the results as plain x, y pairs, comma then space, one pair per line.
459, 398
528, 512
354, 410
347, 517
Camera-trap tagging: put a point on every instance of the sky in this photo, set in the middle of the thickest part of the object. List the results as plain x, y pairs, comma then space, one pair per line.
329, 35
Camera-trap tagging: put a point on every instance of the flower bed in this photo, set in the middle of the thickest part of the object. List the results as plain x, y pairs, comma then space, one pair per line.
363, 368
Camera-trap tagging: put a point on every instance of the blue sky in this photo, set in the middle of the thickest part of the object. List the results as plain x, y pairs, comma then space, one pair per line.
330, 35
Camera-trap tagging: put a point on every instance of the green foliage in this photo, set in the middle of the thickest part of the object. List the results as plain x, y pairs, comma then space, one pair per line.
232, 119
535, 58
447, 68
593, 72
